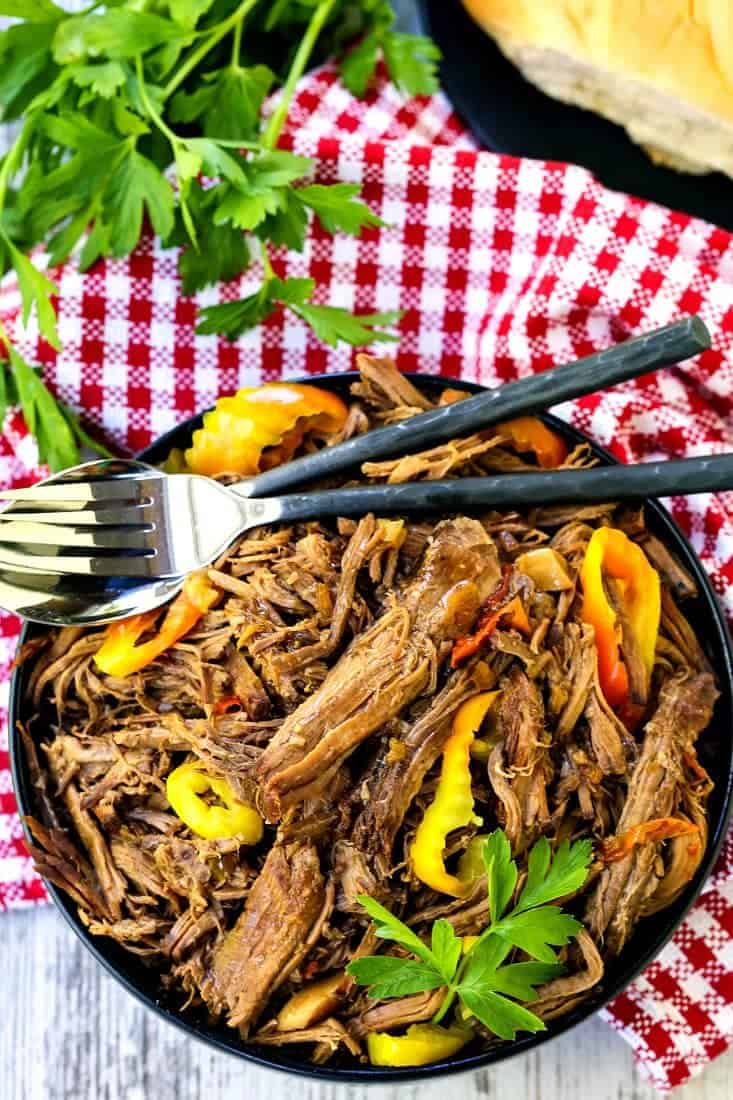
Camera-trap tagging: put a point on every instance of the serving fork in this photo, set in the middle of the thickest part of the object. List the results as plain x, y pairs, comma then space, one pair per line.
110, 521
117, 519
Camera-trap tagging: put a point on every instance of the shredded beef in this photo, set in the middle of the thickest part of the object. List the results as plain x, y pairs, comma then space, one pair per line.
322, 689
278, 915
685, 709
383, 670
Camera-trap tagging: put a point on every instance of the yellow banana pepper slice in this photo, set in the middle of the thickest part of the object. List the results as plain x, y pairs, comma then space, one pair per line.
610, 553
184, 788
419, 1046
452, 807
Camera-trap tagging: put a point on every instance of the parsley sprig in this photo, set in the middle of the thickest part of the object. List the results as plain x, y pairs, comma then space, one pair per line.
481, 979
57, 430
153, 110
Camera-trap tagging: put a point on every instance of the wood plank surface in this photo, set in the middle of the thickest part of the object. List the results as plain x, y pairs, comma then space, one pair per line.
69, 1032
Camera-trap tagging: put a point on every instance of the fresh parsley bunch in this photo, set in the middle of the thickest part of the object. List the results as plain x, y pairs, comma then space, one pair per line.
153, 108
480, 978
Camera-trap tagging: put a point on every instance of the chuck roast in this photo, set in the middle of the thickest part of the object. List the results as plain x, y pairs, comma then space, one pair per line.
685, 709
383, 670
280, 911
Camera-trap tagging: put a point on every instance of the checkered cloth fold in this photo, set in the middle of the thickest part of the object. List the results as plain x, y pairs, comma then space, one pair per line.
503, 267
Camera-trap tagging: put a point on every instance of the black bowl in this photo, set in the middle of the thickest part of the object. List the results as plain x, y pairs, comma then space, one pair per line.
716, 753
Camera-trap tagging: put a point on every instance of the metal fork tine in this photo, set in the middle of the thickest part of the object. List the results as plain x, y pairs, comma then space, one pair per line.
120, 517
82, 565
50, 534
84, 492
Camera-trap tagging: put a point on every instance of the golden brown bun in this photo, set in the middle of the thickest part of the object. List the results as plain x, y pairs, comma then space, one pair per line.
661, 68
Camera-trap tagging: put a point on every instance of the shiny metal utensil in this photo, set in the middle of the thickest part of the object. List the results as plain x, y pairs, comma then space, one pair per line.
65, 601
168, 525
49, 597
661, 348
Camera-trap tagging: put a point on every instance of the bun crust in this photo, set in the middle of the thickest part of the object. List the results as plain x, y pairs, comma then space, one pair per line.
661, 68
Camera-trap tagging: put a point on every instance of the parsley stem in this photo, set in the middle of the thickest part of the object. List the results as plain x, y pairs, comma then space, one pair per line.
266, 264
452, 989
12, 160
147, 104
221, 31
237, 43
176, 146
298, 67
445, 1006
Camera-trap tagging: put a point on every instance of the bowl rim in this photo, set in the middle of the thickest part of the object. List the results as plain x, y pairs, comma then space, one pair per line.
106, 951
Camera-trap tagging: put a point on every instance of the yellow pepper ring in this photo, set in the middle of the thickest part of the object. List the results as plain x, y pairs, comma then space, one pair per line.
184, 788
238, 431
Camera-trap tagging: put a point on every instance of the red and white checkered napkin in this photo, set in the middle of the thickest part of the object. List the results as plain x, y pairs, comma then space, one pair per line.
503, 267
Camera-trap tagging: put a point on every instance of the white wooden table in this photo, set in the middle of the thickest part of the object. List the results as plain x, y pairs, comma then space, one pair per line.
69, 1032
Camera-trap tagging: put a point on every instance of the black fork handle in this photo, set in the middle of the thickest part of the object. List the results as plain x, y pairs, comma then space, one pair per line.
584, 486
661, 348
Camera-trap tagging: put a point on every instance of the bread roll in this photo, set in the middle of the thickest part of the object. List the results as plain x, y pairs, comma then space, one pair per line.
663, 69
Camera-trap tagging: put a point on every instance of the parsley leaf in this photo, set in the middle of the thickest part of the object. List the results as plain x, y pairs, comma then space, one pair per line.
287, 225
26, 65
501, 873
534, 931
500, 1015
33, 11
336, 207
246, 210
262, 191
103, 80
56, 443
387, 976
228, 103
117, 33
518, 980
233, 318
389, 927
225, 255
55, 427
446, 947
550, 878
331, 324
188, 12
487, 986
35, 290
412, 62
358, 66
136, 184
411, 59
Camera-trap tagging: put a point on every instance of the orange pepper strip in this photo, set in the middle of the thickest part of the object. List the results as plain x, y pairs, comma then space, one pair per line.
512, 613
661, 828
228, 705
119, 654
529, 434
261, 426
611, 553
